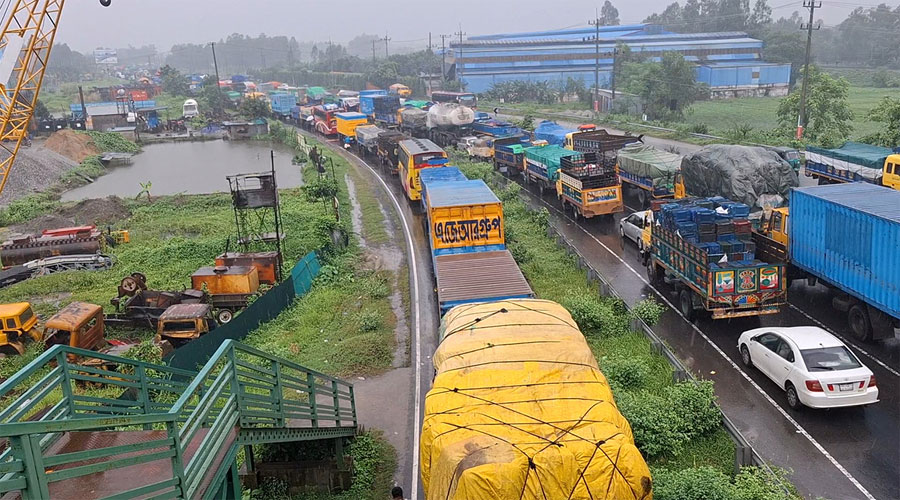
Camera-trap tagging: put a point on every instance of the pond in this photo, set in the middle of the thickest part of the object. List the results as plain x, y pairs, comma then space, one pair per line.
190, 168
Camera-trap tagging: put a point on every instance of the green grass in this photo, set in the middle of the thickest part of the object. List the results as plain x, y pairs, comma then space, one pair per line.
760, 112
372, 218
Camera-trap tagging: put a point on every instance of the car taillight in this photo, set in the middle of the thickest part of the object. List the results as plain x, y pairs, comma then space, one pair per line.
813, 386
872, 381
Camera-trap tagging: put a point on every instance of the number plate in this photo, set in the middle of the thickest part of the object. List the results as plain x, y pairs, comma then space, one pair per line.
846, 387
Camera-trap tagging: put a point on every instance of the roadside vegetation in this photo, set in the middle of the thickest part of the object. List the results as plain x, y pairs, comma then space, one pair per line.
677, 426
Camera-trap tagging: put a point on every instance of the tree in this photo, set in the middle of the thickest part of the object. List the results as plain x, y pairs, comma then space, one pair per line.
384, 74
254, 108
827, 109
761, 15
609, 15
667, 87
212, 100
173, 82
888, 112
40, 110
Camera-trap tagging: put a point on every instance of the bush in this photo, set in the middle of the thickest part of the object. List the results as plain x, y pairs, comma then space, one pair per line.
663, 423
368, 320
627, 373
648, 310
112, 142
707, 483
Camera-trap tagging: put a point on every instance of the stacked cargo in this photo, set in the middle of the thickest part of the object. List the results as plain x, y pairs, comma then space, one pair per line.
707, 244
413, 120
589, 185
509, 154
495, 128
542, 164
552, 132
852, 162
653, 171
367, 138
602, 143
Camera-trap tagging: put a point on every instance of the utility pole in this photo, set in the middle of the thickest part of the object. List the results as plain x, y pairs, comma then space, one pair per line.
216, 65
331, 59
374, 40
596, 23
812, 5
386, 40
443, 60
612, 82
459, 71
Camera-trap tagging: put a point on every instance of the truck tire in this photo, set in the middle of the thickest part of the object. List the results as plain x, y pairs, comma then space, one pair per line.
653, 273
858, 319
224, 316
686, 304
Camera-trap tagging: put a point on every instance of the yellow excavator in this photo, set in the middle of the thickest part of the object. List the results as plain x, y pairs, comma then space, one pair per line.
26, 42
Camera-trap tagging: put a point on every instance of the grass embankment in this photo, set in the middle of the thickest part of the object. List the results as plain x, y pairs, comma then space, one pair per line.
46, 201
676, 426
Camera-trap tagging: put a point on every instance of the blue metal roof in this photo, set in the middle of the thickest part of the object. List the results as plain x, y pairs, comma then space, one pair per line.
878, 201
460, 193
442, 174
577, 32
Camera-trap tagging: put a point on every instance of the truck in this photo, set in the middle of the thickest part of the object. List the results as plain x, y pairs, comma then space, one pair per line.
854, 162
844, 236
588, 186
702, 246
552, 132
325, 121
509, 154
367, 140
789, 155
20, 326
281, 103
654, 174
183, 323
467, 242
601, 142
400, 90
495, 128
542, 165
367, 102
448, 123
347, 123
389, 149
385, 110
413, 121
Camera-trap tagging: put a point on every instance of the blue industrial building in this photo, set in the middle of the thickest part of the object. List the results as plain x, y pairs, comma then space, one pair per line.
729, 62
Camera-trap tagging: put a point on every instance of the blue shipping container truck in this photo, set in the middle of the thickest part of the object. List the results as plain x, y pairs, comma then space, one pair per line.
282, 102
432, 176
386, 107
847, 236
366, 103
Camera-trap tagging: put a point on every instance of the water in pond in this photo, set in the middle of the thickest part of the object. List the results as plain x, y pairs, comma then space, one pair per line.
190, 168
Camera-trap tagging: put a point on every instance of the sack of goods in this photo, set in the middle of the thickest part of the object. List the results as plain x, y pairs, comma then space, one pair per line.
520, 409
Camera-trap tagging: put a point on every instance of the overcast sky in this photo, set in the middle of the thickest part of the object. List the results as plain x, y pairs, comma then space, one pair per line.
87, 25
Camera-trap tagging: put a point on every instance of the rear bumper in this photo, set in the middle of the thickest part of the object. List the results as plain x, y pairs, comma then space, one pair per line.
820, 400
738, 313
604, 208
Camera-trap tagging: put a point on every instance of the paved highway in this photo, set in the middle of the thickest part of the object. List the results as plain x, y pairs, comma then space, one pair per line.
838, 454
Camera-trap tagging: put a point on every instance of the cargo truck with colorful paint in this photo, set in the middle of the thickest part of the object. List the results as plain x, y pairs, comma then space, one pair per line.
347, 123
509, 154
542, 165
704, 247
844, 237
854, 162
652, 173
588, 186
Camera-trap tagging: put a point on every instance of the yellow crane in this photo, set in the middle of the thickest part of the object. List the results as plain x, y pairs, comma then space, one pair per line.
26, 42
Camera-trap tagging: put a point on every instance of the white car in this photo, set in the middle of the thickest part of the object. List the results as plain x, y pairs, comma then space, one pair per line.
632, 227
814, 367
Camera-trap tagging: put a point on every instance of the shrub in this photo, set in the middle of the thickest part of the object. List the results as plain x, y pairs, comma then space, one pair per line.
628, 373
648, 310
696, 483
368, 320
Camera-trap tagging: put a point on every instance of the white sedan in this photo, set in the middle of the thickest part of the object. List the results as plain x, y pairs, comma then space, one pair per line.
814, 367
632, 228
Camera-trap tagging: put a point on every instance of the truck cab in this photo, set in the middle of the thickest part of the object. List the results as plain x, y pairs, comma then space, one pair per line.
79, 324
182, 323
776, 227
19, 325
891, 177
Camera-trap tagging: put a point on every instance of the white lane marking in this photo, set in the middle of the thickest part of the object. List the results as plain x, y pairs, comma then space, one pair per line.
797, 426
417, 405
849, 344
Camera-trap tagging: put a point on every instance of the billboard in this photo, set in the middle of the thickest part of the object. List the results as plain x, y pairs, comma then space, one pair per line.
106, 56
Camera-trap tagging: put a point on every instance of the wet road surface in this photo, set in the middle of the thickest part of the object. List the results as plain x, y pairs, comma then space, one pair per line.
190, 168
424, 318
840, 453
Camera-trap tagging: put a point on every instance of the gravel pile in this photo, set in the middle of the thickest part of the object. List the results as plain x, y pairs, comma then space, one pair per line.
36, 168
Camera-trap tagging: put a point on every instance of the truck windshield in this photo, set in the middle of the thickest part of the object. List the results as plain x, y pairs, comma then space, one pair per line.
792, 155
26, 315
178, 326
829, 358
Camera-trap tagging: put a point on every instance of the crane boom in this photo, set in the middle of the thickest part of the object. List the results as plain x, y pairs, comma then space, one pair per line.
32, 26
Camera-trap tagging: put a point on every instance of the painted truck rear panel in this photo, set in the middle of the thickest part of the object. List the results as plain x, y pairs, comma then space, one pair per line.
463, 217
347, 123
848, 235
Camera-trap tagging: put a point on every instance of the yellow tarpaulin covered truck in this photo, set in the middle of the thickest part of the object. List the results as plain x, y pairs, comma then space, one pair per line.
519, 409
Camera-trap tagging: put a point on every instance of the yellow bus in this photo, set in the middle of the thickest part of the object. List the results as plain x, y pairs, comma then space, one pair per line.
414, 155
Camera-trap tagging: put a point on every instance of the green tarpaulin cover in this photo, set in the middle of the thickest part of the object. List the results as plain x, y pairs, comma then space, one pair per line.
316, 92
647, 161
549, 156
866, 155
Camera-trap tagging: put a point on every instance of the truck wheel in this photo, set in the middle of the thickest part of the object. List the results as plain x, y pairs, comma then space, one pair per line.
653, 274
858, 318
224, 316
686, 304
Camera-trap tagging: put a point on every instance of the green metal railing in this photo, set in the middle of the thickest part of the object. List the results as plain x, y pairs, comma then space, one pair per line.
198, 421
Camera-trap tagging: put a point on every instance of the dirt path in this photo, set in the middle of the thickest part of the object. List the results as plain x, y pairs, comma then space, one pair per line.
379, 398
